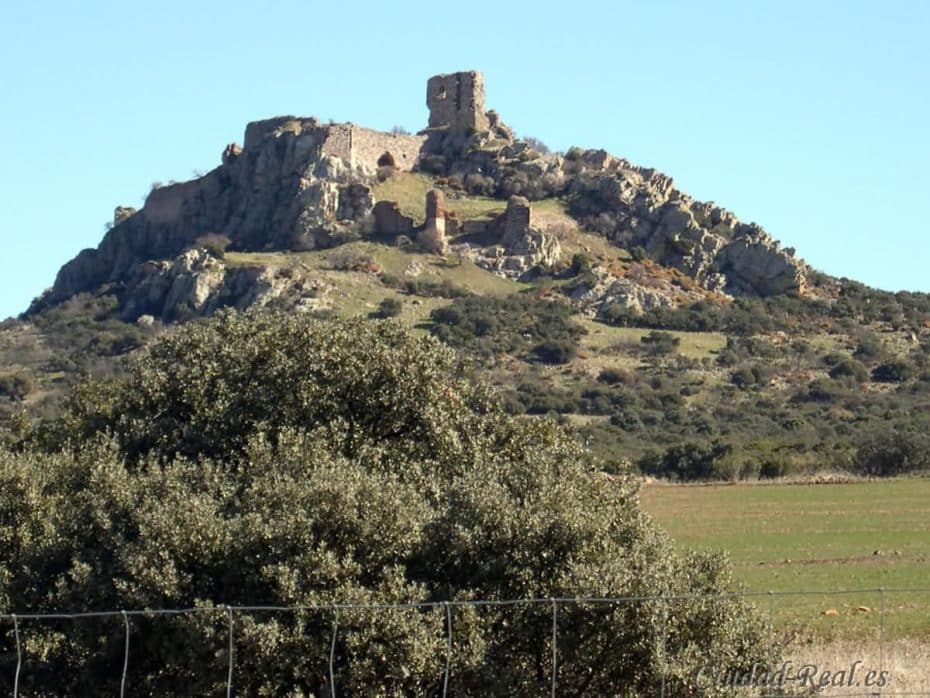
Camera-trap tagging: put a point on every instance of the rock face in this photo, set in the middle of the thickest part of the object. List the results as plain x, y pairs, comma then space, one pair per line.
754, 263
521, 247
297, 184
195, 283
632, 206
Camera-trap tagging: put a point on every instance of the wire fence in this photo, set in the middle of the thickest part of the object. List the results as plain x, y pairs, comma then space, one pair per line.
917, 615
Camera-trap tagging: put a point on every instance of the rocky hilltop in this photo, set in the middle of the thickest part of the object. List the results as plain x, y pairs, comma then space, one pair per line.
296, 184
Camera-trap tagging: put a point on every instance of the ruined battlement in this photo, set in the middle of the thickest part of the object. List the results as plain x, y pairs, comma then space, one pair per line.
456, 101
368, 149
360, 148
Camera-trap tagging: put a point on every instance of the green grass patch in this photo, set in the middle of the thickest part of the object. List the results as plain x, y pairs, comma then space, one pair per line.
408, 190
605, 339
797, 537
358, 293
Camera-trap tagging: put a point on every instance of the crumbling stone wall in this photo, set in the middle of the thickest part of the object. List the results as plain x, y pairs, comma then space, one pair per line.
357, 146
166, 205
457, 101
369, 149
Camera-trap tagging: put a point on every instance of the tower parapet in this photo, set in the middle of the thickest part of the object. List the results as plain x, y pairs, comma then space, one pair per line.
456, 101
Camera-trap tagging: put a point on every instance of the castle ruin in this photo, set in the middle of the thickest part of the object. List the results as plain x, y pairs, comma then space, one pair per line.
456, 101
456, 104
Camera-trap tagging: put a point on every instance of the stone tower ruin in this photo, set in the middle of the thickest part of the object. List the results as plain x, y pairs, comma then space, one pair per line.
456, 101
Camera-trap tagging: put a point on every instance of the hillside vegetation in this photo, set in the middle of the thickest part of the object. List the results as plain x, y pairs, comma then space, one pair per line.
834, 380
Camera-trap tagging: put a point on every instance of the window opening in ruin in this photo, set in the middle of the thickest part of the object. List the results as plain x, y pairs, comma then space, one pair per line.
386, 160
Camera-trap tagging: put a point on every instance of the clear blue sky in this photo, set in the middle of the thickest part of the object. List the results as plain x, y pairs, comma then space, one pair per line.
810, 118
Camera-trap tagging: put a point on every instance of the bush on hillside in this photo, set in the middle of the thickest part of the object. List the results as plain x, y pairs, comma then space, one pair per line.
889, 452
16, 386
515, 323
659, 343
895, 371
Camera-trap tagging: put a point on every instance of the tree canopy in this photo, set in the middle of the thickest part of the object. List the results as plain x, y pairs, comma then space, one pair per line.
282, 460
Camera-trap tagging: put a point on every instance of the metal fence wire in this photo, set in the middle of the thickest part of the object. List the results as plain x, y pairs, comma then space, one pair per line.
766, 601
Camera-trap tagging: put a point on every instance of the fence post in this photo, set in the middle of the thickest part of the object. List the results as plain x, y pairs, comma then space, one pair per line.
771, 622
229, 675
881, 631
555, 645
332, 654
19, 657
122, 683
445, 681
664, 641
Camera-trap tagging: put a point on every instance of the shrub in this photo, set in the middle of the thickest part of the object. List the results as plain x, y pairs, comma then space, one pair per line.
850, 368
516, 323
16, 386
896, 371
659, 343
613, 376
284, 460
869, 346
390, 307
537, 145
555, 351
891, 452
751, 375
350, 259
581, 264
690, 461
214, 243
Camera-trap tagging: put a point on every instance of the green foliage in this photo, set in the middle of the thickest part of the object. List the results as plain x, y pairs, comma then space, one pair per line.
892, 452
214, 243
390, 307
751, 375
555, 351
691, 461
581, 264
659, 343
895, 371
284, 460
205, 391
869, 346
16, 386
515, 323
850, 368
430, 288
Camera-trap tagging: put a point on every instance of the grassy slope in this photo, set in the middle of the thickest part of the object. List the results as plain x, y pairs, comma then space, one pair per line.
358, 293
796, 537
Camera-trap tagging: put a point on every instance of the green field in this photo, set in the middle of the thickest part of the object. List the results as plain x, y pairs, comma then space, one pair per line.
813, 538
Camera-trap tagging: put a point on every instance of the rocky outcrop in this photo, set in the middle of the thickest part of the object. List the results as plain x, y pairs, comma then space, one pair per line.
632, 206
520, 249
754, 263
297, 184
196, 284
601, 289
283, 190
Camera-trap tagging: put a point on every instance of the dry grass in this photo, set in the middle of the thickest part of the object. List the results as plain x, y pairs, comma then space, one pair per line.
603, 338
360, 292
906, 661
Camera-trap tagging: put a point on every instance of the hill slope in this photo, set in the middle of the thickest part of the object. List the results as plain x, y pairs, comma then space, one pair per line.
554, 270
